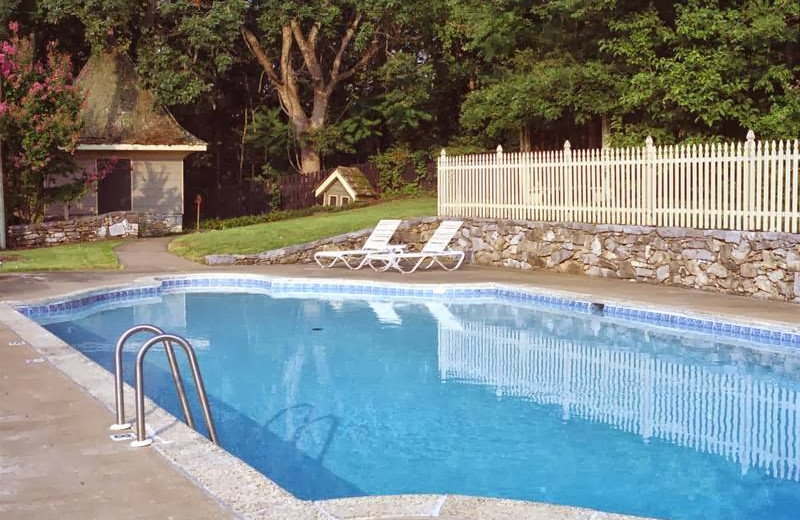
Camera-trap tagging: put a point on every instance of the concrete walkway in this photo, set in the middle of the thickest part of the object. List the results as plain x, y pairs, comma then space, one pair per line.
149, 255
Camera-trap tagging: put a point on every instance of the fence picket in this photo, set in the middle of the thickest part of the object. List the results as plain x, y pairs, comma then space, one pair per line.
795, 165
761, 192
751, 185
779, 193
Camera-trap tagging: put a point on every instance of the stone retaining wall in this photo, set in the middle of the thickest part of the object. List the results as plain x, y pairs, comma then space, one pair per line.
760, 264
120, 224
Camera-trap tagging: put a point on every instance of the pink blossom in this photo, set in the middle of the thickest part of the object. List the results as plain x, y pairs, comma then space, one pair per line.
14, 26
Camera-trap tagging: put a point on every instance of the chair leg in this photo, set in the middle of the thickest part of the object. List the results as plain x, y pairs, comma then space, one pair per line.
359, 265
444, 266
416, 266
326, 266
362, 263
387, 264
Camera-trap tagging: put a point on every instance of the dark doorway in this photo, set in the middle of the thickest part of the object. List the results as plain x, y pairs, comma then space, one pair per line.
114, 190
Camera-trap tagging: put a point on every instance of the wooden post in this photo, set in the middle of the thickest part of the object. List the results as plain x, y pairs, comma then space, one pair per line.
649, 182
198, 200
566, 185
749, 169
441, 184
493, 209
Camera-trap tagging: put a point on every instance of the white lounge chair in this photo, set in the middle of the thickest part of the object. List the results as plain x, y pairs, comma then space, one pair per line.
434, 252
378, 241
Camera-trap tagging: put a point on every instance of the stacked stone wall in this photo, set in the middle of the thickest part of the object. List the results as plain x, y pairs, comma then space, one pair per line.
760, 264
120, 224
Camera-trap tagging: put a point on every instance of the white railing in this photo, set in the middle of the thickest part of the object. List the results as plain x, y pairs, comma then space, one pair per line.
752, 185
743, 418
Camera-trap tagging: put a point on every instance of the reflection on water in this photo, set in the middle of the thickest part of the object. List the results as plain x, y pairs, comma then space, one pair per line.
748, 418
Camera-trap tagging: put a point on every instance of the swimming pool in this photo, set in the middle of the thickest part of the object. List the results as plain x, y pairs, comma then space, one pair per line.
367, 394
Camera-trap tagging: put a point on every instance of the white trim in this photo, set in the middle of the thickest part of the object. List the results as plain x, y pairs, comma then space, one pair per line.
145, 147
327, 182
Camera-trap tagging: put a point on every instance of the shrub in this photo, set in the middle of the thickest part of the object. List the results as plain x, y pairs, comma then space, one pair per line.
392, 166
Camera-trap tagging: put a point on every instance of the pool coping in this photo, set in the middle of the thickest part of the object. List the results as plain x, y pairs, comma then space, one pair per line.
249, 494
772, 332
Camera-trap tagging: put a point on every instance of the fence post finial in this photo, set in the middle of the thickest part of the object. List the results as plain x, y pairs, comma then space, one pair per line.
751, 136
443, 153
499, 149
649, 141
567, 146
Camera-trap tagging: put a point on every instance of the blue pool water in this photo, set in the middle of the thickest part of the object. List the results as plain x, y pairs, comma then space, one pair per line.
344, 397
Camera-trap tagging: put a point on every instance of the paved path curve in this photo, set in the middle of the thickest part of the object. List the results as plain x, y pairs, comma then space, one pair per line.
148, 255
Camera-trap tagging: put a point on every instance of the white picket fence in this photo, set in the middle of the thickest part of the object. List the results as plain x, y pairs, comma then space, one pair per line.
752, 185
741, 417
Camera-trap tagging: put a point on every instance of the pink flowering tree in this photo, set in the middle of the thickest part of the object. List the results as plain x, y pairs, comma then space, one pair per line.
39, 126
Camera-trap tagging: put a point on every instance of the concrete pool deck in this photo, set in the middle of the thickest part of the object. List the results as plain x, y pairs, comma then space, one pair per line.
53, 430
56, 459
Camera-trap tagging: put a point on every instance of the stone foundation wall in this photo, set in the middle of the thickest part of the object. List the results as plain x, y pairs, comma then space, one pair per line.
759, 264
120, 224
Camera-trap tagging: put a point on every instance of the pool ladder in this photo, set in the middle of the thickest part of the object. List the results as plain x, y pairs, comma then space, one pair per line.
168, 341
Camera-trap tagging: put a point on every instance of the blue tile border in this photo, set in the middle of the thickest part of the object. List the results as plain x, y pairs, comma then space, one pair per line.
670, 320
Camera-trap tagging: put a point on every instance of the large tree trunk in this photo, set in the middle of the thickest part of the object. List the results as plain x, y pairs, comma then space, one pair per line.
310, 160
284, 79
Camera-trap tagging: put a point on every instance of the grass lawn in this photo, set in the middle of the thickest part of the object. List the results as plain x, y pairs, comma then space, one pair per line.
94, 255
273, 235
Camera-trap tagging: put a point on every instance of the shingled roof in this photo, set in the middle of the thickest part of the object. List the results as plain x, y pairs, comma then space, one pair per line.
118, 111
353, 179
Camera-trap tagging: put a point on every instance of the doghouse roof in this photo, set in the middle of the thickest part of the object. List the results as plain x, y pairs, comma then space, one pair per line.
353, 180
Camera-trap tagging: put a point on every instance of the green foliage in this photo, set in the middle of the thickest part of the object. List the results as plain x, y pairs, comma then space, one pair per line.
269, 133
39, 124
407, 94
189, 47
676, 70
106, 23
466, 73
392, 166
464, 145
275, 197
7, 13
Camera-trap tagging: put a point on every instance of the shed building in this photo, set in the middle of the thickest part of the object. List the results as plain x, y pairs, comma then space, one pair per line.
136, 141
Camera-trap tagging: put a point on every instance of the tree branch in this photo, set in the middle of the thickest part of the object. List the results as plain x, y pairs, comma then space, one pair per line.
361, 63
287, 72
309, 51
290, 96
337, 61
261, 56
313, 33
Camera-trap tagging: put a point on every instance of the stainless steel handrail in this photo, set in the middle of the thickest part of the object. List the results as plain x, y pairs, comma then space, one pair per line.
141, 439
118, 384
